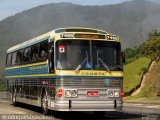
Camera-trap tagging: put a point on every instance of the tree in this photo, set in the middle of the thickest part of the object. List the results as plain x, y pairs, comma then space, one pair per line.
151, 47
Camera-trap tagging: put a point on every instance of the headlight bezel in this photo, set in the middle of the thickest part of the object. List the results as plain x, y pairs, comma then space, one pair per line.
72, 93
113, 93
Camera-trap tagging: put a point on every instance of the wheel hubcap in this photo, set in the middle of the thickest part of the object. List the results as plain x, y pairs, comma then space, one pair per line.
44, 103
14, 97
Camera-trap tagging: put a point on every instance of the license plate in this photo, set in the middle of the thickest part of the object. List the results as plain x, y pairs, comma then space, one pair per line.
92, 93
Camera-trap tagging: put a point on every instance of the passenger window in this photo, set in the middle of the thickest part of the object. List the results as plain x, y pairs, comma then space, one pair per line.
27, 53
8, 61
14, 55
19, 57
43, 51
34, 53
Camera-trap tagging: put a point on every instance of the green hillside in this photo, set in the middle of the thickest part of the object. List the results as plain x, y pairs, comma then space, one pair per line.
133, 72
151, 83
151, 87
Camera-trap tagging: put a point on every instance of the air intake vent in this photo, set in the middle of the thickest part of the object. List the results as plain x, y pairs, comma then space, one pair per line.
79, 30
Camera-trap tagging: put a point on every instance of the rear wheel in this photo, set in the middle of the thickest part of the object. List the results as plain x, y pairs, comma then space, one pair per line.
44, 103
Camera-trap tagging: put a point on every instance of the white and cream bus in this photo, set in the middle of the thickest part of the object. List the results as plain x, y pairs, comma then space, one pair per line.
67, 69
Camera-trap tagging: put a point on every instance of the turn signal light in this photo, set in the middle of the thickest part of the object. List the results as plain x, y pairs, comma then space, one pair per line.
122, 93
59, 92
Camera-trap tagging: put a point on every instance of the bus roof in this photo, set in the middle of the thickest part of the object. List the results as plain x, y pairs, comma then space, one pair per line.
29, 42
47, 35
79, 29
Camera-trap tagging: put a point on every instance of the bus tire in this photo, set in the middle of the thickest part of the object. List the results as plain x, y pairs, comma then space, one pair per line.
44, 102
13, 97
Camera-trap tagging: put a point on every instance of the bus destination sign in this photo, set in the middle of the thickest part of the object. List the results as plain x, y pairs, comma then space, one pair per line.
93, 36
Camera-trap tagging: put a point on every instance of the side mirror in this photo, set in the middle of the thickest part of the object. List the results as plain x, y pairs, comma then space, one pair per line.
123, 57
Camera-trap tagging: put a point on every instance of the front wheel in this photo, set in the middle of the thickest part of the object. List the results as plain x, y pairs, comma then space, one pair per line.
44, 103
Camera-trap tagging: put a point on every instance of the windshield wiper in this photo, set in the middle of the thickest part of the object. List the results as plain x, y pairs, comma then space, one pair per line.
80, 65
103, 63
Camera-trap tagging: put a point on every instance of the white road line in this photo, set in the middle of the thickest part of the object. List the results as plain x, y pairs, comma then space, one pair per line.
130, 104
3, 101
152, 106
141, 106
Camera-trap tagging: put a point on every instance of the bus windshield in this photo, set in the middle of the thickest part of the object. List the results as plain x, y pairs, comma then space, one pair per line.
88, 54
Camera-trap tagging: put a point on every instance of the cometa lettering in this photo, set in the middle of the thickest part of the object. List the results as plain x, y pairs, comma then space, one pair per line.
92, 73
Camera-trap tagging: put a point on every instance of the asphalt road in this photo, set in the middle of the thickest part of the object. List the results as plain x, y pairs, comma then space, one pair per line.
130, 112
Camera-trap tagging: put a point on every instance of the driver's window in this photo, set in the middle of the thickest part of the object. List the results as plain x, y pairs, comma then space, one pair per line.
51, 57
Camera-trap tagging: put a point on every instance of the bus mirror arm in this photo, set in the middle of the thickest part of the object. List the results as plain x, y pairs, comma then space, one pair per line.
123, 57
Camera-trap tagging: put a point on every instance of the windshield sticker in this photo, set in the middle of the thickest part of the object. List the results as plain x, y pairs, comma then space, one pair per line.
61, 49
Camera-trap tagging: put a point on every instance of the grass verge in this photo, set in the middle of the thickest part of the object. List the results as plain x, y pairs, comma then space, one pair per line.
133, 72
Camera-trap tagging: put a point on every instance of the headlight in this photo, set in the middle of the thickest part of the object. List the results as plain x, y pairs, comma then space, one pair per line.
71, 93
67, 93
110, 93
116, 93
113, 93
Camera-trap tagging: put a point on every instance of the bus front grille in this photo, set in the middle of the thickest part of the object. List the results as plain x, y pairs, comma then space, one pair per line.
87, 82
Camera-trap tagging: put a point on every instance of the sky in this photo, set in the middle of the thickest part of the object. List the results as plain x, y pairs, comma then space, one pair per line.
11, 7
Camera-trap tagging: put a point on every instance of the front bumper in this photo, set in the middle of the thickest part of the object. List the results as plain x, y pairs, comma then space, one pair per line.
72, 105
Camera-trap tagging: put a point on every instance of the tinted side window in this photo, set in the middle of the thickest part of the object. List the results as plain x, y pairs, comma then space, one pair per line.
27, 54
19, 57
43, 51
35, 53
14, 55
8, 60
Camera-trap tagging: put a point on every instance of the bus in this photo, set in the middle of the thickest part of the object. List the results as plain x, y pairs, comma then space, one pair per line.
67, 69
